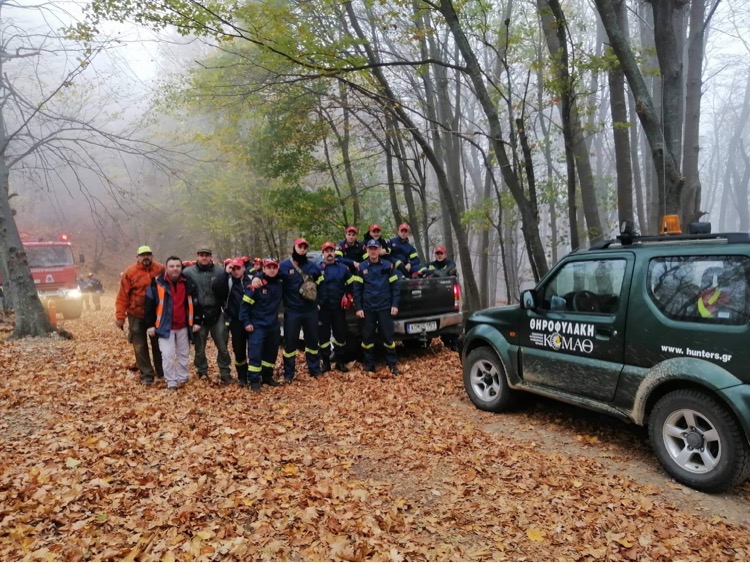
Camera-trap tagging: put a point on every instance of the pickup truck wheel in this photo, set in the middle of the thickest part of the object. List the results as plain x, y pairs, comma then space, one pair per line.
698, 442
485, 381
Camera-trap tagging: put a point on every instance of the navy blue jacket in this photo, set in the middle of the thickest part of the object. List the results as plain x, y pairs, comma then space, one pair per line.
260, 307
348, 254
375, 287
337, 280
292, 281
442, 268
229, 291
403, 252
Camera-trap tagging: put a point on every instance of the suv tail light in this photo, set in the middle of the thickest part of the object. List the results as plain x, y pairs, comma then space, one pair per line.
456, 297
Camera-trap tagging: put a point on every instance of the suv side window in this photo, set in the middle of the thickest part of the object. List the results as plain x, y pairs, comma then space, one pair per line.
588, 286
701, 289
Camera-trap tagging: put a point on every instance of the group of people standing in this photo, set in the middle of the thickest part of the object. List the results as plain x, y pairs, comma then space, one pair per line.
172, 306
91, 291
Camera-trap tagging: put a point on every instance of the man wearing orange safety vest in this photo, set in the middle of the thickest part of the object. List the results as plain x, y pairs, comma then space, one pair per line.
173, 314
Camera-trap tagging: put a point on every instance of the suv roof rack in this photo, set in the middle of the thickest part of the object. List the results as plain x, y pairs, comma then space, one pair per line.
630, 240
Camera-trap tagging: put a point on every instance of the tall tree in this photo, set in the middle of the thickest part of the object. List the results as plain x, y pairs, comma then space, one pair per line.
578, 162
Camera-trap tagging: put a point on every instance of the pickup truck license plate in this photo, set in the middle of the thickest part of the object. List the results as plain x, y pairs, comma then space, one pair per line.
415, 328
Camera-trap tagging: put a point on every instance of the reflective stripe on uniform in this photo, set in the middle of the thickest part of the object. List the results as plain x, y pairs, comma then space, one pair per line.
253, 369
704, 312
324, 344
391, 345
290, 354
236, 363
310, 350
267, 365
337, 343
393, 278
367, 346
357, 279
248, 299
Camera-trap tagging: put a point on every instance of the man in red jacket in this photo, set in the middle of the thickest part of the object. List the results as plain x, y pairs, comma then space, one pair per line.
131, 303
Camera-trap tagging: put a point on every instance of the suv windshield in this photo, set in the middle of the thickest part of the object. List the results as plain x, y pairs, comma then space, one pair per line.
49, 256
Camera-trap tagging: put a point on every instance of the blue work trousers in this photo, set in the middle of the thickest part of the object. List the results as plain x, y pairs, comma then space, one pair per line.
262, 349
308, 322
383, 322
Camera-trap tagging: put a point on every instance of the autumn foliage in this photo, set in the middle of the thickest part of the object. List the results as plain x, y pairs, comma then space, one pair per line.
347, 467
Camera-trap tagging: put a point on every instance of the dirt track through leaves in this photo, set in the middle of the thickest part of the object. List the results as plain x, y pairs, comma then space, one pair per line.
347, 467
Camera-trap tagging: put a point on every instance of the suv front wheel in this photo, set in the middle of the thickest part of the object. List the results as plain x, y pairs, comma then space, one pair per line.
698, 441
485, 381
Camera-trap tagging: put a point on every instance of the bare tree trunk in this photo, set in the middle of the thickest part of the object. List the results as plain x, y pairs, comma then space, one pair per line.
576, 148
618, 105
691, 199
529, 216
668, 171
635, 163
344, 143
31, 320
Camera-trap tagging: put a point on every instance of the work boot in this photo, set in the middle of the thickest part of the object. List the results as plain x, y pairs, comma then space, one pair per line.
269, 380
341, 366
225, 379
244, 382
395, 370
147, 380
325, 365
255, 386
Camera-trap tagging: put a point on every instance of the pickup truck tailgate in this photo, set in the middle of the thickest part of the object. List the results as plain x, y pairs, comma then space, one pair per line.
424, 297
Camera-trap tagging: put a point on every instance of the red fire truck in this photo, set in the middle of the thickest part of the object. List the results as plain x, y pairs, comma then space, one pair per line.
56, 275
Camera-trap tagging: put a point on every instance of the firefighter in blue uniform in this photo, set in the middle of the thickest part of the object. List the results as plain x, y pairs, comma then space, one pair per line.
299, 311
376, 300
376, 233
259, 315
403, 254
337, 281
442, 266
229, 288
350, 251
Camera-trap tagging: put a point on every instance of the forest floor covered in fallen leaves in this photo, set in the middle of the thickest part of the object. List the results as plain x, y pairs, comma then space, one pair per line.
347, 467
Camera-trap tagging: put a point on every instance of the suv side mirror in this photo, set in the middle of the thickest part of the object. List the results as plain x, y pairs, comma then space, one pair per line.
528, 301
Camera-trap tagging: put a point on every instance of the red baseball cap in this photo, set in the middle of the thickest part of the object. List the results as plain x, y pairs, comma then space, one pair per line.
328, 244
227, 261
404, 226
245, 259
269, 261
375, 228
351, 228
440, 249
301, 241
237, 262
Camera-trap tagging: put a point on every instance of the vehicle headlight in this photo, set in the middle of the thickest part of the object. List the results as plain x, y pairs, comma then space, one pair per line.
74, 293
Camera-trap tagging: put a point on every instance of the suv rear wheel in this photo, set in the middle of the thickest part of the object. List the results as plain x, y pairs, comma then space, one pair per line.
485, 381
698, 441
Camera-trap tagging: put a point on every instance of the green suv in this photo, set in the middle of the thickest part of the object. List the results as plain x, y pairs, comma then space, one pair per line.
653, 330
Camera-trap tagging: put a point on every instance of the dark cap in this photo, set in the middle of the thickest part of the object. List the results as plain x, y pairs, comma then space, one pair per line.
203, 248
373, 243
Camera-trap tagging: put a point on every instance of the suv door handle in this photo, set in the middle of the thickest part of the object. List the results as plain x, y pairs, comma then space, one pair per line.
606, 331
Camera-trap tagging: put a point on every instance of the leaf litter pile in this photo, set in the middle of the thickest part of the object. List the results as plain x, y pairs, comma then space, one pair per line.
347, 467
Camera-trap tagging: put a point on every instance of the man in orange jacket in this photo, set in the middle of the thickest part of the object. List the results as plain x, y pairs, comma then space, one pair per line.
131, 302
